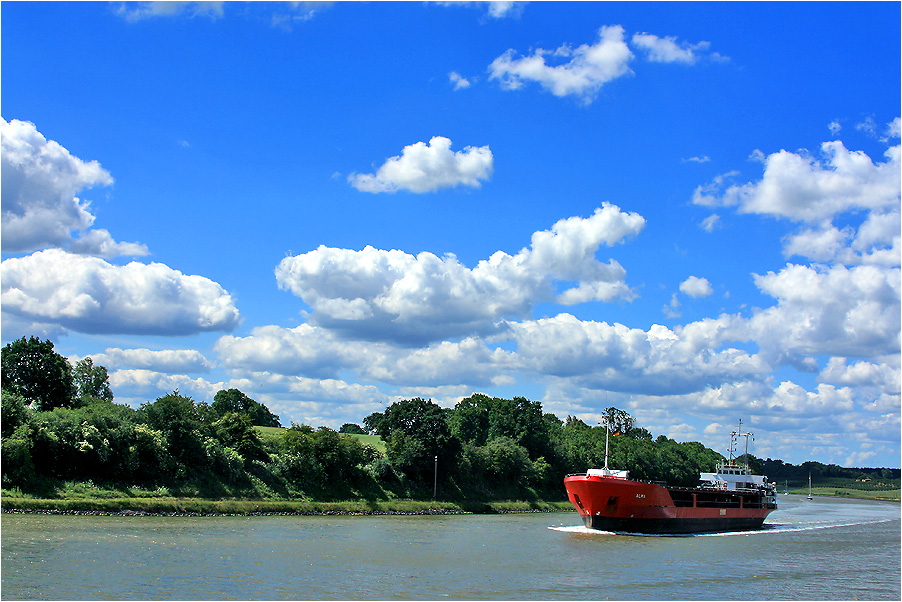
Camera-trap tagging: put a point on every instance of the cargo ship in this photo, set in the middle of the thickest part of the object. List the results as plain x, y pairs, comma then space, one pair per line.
729, 499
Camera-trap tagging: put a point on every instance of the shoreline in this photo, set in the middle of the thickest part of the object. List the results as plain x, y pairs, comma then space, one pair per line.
204, 507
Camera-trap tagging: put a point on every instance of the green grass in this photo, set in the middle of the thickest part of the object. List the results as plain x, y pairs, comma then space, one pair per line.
14, 500
372, 440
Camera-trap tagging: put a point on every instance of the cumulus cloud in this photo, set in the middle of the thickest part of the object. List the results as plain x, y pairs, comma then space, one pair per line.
580, 72
696, 287
668, 50
162, 360
598, 355
140, 385
377, 294
315, 352
837, 311
429, 167
90, 295
807, 188
816, 190
40, 179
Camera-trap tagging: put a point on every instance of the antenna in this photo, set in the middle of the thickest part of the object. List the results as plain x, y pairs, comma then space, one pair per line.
733, 437
607, 429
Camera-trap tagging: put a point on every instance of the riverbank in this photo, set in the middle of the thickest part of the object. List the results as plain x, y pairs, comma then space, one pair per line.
173, 506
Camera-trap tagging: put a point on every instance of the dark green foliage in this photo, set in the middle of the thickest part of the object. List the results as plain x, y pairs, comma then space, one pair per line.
234, 401
479, 419
415, 432
33, 370
373, 422
620, 422
827, 474
352, 429
487, 448
320, 460
14, 412
18, 440
178, 419
236, 431
91, 380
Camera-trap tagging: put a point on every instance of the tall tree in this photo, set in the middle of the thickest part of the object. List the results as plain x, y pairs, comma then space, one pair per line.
92, 381
233, 400
416, 431
619, 421
32, 369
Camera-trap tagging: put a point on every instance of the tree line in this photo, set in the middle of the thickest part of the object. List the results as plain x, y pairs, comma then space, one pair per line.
61, 424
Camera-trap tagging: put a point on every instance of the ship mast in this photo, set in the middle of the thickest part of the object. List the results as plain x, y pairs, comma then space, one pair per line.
733, 439
607, 429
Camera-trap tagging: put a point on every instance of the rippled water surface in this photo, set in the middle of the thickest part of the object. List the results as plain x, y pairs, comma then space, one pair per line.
824, 549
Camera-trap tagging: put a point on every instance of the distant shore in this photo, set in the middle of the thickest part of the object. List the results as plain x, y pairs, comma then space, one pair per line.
206, 507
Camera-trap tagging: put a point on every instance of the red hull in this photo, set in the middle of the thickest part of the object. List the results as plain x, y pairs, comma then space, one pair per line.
612, 504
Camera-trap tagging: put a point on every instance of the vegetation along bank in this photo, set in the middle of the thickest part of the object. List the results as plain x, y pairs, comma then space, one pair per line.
68, 447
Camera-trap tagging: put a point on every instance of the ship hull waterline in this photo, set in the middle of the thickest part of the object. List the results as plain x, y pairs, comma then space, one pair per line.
623, 505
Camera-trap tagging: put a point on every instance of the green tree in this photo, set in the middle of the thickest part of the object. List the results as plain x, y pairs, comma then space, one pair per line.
352, 429
179, 421
92, 381
32, 369
470, 420
233, 400
18, 441
373, 422
618, 420
236, 431
423, 433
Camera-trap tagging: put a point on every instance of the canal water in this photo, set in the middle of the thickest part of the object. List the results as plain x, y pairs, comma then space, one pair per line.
824, 549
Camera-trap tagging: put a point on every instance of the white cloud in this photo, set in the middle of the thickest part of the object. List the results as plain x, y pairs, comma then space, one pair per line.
40, 179
815, 191
588, 68
696, 287
139, 385
163, 360
137, 11
893, 128
868, 126
305, 350
829, 311
710, 223
378, 294
314, 352
497, 9
810, 189
427, 168
885, 374
87, 294
458, 80
667, 50
598, 355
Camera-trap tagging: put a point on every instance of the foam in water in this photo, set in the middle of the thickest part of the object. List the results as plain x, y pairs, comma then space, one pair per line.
768, 528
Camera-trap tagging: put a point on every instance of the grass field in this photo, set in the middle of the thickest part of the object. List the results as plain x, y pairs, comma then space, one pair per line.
373, 440
153, 504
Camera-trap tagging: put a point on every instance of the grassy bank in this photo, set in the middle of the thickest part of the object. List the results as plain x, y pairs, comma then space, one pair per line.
849, 492
83, 497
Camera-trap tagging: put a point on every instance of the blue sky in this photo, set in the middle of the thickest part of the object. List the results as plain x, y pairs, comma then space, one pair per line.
689, 211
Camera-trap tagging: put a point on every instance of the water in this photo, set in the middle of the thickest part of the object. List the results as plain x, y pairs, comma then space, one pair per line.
825, 549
